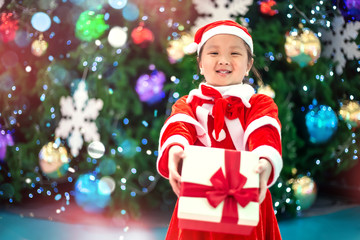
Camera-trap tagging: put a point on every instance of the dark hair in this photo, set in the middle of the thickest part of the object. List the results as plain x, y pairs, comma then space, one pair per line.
250, 57
253, 68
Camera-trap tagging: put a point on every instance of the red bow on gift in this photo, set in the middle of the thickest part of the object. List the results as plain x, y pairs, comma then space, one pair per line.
222, 107
229, 189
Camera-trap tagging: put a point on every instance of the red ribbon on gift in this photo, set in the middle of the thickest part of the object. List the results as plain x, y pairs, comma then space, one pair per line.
229, 189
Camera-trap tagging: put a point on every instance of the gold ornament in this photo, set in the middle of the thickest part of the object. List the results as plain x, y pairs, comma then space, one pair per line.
39, 47
350, 112
267, 90
54, 160
305, 191
302, 46
176, 49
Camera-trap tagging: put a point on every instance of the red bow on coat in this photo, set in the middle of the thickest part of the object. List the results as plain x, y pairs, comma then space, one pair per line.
222, 107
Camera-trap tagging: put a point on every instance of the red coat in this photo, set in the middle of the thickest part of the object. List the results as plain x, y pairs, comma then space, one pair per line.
230, 117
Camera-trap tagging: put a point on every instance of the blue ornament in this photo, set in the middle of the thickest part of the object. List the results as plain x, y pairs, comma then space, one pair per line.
130, 12
107, 167
128, 148
90, 195
350, 9
41, 21
117, 4
321, 122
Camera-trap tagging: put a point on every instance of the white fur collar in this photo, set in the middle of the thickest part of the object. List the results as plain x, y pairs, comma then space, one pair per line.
242, 91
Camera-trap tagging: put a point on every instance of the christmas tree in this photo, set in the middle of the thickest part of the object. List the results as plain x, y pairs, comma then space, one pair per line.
87, 85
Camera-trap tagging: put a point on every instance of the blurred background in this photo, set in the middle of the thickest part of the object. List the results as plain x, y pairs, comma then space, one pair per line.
85, 87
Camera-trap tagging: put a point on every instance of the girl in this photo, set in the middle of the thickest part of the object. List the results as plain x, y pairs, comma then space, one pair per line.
224, 113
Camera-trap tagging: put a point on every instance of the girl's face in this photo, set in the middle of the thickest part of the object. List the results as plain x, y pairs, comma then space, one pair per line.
224, 60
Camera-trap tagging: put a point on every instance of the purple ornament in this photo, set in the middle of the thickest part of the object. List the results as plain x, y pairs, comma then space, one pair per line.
350, 9
5, 140
2, 148
150, 87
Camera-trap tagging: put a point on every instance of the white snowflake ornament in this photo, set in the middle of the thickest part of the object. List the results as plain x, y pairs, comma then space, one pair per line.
211, 11
338, 44
79, 113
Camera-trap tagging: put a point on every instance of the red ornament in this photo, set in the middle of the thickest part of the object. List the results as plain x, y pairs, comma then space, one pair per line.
8, 27
266, 7
142, 36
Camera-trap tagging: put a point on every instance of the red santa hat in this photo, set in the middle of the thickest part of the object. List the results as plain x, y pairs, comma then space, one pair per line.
220, 27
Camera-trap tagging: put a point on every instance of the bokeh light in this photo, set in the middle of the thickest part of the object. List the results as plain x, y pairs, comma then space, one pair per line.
9, 24
6, 81
5, 140
41, 21
117, 37
22, 38
350, 9
6, 190
127, 148
107, 185
107, 167
90, 26
146, 178
9, 59
150, 87
117, 4
89, 195
47, 4
58, 74
130, 12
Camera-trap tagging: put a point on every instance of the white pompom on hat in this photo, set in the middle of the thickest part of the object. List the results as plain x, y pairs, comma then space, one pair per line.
221, 27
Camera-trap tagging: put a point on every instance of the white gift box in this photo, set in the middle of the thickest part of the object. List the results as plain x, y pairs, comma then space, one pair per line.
211, 198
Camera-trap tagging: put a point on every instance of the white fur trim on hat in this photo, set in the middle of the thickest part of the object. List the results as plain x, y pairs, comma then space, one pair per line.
223, 29
191, 48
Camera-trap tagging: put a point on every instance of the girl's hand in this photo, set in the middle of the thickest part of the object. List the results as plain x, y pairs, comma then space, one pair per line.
264, 169
176, 154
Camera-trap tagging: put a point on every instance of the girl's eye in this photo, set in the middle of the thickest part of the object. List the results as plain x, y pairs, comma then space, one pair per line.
213, 53
235, 53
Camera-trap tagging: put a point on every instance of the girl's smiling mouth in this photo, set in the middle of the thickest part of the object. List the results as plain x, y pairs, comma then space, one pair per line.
223, 71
